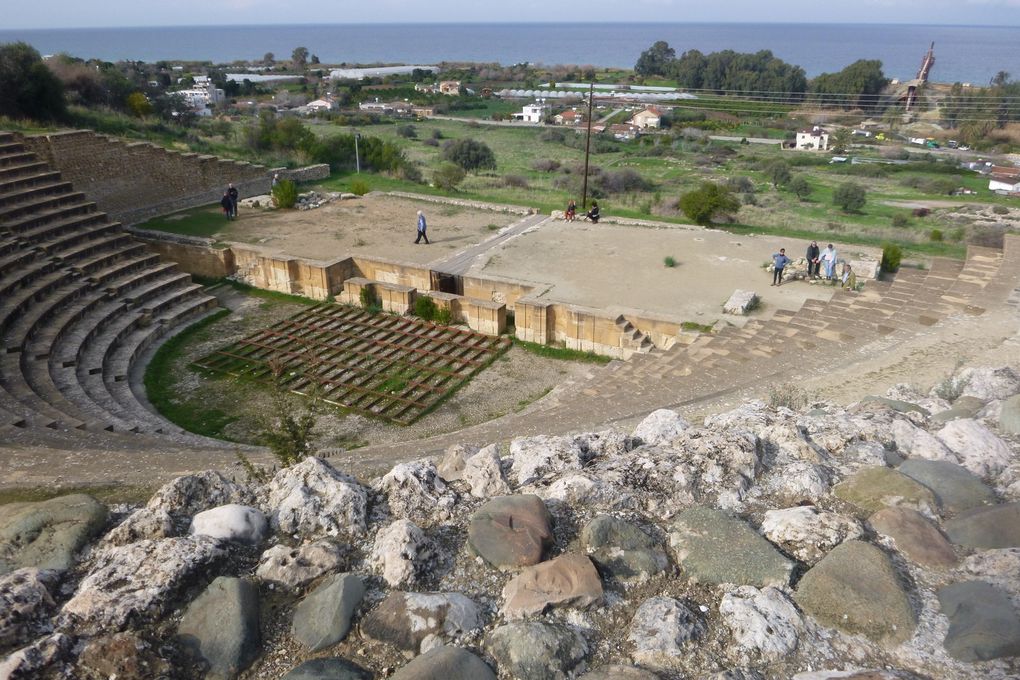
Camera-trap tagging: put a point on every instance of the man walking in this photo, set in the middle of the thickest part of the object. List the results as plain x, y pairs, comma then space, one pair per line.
779, 260
813, 261
232, 193
422, 226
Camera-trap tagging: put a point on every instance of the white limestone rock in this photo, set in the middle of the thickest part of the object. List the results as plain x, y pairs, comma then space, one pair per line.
913, 442
905, 392
483, 472
538, 459
751, 415
660, 427
799, 481
25, 601
297, 567
581, 489
808, 533
987, 383
605, 443
662, 631
741, 302
401, 553
451, 468
188, 495
765, 624
234, 523
789, 444
142, 524
977, 448
415, 491
138, 581
312, 498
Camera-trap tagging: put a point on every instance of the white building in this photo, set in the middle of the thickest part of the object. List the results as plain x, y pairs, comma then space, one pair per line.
815, 139
202, 99
532, 113
1004, 180
650, 117
322, 106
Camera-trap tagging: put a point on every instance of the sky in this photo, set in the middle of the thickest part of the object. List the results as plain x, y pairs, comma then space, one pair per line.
22, 14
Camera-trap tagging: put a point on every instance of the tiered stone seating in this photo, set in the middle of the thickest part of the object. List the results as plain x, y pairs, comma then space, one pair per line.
80, 299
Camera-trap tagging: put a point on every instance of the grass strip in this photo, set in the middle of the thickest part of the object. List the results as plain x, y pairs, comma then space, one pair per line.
561, 353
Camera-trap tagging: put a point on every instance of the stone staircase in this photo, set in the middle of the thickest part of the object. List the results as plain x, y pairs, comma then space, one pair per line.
80, 300
632, 339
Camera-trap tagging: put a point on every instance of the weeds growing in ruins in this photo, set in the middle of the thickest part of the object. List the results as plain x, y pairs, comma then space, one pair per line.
951, 388
787, 396
370, 302
290, 437
669, 261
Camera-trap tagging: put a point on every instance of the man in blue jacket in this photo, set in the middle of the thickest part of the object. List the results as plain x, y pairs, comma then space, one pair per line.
421, 228
780, 260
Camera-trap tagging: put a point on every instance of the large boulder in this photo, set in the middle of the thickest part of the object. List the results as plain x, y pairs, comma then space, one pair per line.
997, 526
874, 488
915, 536
186, 496
964, 407
222, 626
537, 459
445, 663
662, 631
808, 533
955, 487
856, 590
323, 618
483, 472
235, 523
40, 656
297, 567
416, 492
983, 624
48, 534
142, 524
660, 427
764, 623
415, 622
913, 442
330, 668
567, 581
714, 547
401, 553
623, 550
1009, 415
511, 531
25, 603
538, 651
138, 581
741, 302
977, 448
451, 467
313, 498
987, 383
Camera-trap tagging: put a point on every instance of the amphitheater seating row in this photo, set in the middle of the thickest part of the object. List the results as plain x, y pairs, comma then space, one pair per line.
80, 301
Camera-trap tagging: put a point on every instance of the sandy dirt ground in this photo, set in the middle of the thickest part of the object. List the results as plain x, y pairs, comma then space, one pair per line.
378, 225
619, 267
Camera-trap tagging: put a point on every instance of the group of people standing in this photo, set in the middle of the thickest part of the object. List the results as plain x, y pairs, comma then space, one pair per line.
817, 261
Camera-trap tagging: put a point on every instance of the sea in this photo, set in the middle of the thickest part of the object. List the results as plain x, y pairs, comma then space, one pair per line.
970, 54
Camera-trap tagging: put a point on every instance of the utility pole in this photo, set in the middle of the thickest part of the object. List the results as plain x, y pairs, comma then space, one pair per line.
587, 150
357, 155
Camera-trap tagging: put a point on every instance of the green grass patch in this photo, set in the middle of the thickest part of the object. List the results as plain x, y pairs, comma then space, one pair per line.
695, 327
162, 389
561, 353
203, 221
268, 295
104, 493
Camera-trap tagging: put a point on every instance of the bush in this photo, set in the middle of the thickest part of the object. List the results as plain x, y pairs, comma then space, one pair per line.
670, 261
444, 316
469, 154
740, 185
935, 235
407, 131
900, 221
800, 187
515, 181
369, 301
1000, 210
359, 187
425, 308
849, 197
553, 135
430, 142
285, 194
545, 165
448, 175
707, 202
892, 255
623, 181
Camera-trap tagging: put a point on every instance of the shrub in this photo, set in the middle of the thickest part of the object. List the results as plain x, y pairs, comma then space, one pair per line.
892, 255
407, 131
669, 261
553, 135
622, 181
515, 181
369, 301
935, 235
437, 134
410, 172
787, 396
900, 221
448, 175
849, 197
431, 142
708, 201
285, 194
545, 165
777, 172
800, 187
469, 154
740, 185
425, 308
444, 316
359, 187
1000, 210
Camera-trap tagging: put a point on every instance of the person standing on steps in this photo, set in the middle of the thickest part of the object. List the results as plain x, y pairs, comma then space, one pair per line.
828, 258
813, 261
779, 261
232, 192
422, 226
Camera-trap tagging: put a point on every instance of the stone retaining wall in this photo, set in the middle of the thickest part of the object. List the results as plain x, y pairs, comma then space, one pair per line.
309, 173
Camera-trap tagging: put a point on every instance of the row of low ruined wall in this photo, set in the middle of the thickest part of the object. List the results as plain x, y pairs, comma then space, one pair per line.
483, 303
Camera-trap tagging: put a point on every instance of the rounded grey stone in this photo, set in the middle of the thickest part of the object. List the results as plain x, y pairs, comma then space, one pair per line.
983, 625
47, 534
323, 618
956, 488
222, 625
328, 669
537, 651
988, 528
445, 663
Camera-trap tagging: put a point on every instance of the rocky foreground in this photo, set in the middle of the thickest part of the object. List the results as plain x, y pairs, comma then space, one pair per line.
879, 540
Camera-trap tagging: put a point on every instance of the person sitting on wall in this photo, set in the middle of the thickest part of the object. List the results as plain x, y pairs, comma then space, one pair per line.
593, 214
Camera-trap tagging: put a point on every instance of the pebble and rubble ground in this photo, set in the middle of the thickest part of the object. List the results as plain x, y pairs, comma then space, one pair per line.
878, 539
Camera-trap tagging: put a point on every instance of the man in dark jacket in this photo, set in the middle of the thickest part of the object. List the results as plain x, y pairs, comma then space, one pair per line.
226, 204
813, 262
232, 192
594, 214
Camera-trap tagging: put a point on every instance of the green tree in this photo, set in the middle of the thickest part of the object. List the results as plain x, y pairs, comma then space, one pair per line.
656, 60
28, 89
138, 104
268, 59
850, 197
299, 58
799, 186
469, 154
839, 140
858, 86
285, 194
778, 173
448, 175
707, 202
